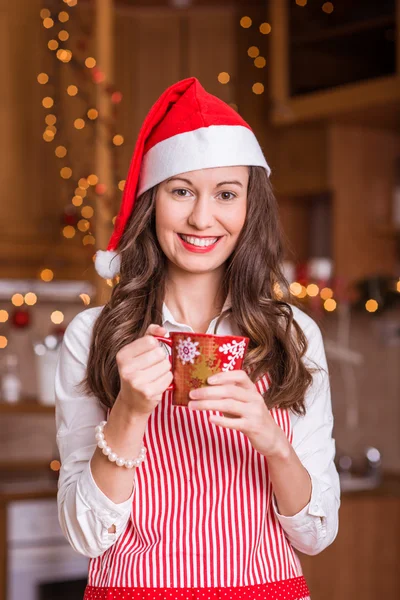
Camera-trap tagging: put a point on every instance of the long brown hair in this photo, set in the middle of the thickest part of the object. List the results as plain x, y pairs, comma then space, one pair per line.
253, 278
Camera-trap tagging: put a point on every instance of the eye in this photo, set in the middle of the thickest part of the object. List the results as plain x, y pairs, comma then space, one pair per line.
177, 192
227, 195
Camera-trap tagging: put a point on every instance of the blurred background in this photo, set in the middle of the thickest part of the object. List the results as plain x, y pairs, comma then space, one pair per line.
319, 82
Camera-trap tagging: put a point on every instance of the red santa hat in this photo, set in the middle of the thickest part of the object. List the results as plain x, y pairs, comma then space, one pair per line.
185, 130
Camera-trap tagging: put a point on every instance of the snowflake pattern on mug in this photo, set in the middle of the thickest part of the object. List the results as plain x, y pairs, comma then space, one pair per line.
187, 350
234, 351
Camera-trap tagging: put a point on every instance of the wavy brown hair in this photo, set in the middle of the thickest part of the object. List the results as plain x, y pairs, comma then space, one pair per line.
253, 278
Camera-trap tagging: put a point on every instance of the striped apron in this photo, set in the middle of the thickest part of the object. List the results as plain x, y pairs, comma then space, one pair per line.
202, 525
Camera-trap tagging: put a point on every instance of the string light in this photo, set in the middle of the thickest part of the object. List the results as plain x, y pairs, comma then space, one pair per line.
48, 23
118, 140
92, 114
55, 465
88, 240
17, 299
90, 62
258, 88
100, 189
326, 293
253, 51
260, 62
303, 292
301, 2
3, 316
69, 231
47, 102
77, 201
57, 317
3, 341
327, 7
224, 77
63, 35
48, 135
116, 97
295, 288
265, 28
63, 16
72, 90
44, 13
52, 45
87, 212
80, 191
30, 298
43, 78
64, 55
114, 219
92, 179
60, 151
121, 184
79, 123
66, 172
83, 183
85, 299
50, 119
371, 305
398, 285
278, 291
246, 22
330, 305
71, 2
83, 225
109, 282
46, 275
312, 290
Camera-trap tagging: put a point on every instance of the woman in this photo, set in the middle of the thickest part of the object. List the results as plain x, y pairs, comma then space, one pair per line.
211, 501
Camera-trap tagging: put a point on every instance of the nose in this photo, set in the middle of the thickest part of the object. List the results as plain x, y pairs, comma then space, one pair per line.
201, 216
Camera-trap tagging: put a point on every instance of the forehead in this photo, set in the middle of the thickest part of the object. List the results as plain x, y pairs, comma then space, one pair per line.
216, 175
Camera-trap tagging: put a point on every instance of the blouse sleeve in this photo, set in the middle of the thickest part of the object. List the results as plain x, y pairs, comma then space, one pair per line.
315, 527
85, 512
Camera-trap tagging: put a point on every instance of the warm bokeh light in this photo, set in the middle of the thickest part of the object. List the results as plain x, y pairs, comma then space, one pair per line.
260, 62
295, 288
43, 78
303, 292
265, 28
79, 123
301, 2
80, 191
52, 45
47, 102
100, 189
71, 2
87, 212
83, 225
60, 151
258, 88
330, 304
118, 140
3, 341
312, 289
92, 114
77, 201
116, 97
253, 51
69, 231
85, 299
48, 135
114, 219
44, 13
109, 282
246, 22
63, 16
3, 316
88, 240
224, 77
57, 317
278, 291
50, 119
66, 172
371, 305
92, 179
46, 275
64, 55
17, 299
90, 62
83, 183
121, 184
63, 35
327, 7
55, 465
398, 286
72, 90
326, 293
30, 299
48, 22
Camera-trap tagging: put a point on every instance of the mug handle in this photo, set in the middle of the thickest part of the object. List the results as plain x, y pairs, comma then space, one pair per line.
167, 341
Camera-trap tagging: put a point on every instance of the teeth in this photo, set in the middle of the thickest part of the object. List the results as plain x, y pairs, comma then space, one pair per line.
199, 241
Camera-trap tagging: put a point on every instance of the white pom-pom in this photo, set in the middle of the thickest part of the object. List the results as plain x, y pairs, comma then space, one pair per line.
107, 263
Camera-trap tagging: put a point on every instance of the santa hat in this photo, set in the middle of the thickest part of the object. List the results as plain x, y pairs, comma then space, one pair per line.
185, 130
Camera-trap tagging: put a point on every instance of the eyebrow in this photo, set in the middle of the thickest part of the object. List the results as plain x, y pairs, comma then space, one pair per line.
234, 182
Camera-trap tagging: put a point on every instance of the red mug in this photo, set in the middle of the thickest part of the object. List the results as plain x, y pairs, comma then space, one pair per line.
197, 356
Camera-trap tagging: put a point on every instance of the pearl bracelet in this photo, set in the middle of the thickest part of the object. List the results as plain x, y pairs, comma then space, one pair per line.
112, 456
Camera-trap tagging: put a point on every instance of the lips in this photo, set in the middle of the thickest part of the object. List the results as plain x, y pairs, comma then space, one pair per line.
199, 249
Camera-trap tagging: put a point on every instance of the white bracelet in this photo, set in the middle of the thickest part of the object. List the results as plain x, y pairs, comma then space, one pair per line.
112, 456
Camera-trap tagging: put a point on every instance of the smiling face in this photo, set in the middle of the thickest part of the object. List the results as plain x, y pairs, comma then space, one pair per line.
199, 216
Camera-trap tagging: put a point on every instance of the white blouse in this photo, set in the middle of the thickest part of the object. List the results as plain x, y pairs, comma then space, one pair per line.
86, 513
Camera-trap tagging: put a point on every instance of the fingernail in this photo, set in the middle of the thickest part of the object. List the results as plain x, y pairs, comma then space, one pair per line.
213, 379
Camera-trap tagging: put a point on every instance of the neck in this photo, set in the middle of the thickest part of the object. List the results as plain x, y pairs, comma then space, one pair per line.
194, 298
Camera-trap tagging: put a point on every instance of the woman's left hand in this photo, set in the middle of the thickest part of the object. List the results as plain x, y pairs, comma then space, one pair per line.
234, 393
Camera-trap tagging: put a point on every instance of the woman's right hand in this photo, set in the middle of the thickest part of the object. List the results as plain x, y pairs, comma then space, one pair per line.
144, 371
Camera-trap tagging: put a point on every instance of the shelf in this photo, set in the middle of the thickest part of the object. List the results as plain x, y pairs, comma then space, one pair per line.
26, 407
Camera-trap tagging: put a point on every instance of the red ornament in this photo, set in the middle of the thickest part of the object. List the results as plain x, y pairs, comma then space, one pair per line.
21, 318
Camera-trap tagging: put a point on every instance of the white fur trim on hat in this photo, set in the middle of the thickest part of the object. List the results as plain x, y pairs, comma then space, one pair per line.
203, 148
107, 263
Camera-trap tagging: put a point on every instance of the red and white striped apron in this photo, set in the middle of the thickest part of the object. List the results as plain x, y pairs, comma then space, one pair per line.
202, 525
